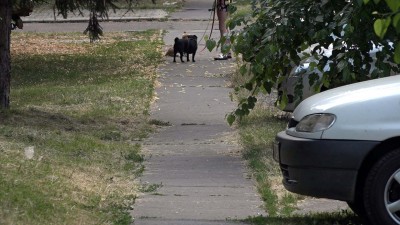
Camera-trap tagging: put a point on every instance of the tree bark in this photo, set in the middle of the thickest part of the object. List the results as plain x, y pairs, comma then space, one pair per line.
5, 57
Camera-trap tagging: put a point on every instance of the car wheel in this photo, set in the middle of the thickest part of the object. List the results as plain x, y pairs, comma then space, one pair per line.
382, 190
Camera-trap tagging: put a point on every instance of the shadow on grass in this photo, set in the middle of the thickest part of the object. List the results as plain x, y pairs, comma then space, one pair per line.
337, 218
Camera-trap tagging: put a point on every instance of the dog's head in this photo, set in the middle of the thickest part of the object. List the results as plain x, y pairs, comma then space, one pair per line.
193, 37
186, 36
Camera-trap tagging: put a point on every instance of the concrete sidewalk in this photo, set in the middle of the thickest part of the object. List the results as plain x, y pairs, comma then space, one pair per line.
195, 161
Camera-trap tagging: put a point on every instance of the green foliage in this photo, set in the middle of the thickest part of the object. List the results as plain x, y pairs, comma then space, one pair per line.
280, 35
381, 26
387, 15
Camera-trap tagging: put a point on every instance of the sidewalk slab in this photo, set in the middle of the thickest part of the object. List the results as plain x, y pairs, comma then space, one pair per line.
195, 10
198, 187
194, 133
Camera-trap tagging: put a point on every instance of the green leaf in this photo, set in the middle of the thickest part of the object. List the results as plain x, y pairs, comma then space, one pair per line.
248, 86
396, 22
245, 108
231, 119
325, 81
381, 26
366, 1
376, 1
239, 112
313, 65
259, 68
231, 24
349, 29
346, 74
210, 44
225, 48
304, 46
251, 102
268, 86
394, 5
341, 65
313, 78
232, 9
283, 101
243, 69
397, 53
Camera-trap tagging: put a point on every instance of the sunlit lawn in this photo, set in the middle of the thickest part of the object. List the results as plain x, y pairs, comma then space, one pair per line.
77, 106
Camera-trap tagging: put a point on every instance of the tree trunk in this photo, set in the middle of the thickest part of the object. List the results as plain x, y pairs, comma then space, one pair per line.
5, 57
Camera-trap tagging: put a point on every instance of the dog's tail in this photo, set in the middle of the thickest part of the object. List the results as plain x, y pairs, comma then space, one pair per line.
176, 40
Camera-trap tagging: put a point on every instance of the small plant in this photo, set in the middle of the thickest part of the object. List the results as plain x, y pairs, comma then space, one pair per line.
159, 123
150, 187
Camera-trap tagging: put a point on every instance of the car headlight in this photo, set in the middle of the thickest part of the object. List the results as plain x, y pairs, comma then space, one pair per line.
316, 122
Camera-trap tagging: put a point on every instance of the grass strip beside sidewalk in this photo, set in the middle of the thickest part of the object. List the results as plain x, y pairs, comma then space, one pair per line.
66, 143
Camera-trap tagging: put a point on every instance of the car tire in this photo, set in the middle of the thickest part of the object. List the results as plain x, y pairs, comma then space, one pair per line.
382, 190
358, 208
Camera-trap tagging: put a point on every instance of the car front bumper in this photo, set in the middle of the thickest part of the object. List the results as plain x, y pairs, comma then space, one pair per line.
321, 168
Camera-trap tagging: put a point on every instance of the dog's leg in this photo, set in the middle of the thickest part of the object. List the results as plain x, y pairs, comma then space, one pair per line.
181, 53
194, 53
187, 57
174, 55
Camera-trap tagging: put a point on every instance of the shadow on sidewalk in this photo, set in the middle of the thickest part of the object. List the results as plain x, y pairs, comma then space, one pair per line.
338, 218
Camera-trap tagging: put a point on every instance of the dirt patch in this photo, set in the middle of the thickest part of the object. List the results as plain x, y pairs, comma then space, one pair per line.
48, 44
317, 205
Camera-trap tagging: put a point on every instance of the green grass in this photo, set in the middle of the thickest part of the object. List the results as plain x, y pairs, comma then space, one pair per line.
257, 132
80, 107
243, 10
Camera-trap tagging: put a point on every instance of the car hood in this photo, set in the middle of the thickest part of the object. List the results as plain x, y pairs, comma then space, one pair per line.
370, 107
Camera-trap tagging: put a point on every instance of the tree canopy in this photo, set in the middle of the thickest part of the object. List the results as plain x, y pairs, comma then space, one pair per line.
281, 34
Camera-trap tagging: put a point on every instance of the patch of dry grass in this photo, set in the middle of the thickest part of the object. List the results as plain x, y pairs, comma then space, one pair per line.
42, 44
257, 133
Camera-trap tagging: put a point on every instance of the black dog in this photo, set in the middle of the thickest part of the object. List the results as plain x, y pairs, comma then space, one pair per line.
187, 45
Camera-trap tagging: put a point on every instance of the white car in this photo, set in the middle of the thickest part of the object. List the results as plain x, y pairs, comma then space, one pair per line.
344, 144
299, 75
